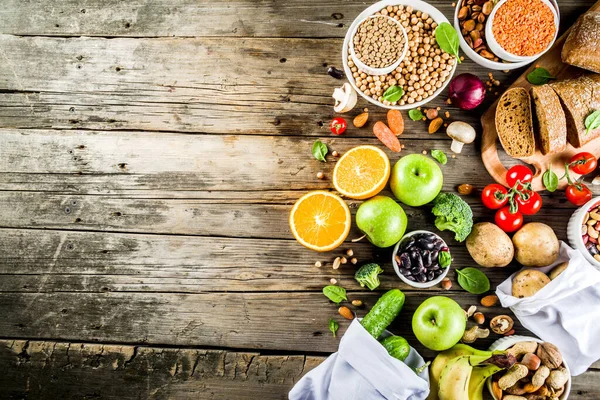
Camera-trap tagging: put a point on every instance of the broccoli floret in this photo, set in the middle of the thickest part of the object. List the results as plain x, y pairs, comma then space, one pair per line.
453, 214
368, 275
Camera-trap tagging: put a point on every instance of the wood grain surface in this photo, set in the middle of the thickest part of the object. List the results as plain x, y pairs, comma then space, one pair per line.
150, 153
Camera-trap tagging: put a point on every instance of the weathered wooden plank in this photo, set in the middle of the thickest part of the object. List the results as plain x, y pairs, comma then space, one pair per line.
296, 18
47, 370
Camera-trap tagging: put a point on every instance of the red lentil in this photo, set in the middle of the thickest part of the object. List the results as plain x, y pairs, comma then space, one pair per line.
524, 27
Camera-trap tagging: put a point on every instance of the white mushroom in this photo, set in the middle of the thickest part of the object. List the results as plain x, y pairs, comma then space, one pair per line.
345, 98
461, 133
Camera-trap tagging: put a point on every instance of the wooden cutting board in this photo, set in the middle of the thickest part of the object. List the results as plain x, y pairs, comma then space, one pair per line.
490, 147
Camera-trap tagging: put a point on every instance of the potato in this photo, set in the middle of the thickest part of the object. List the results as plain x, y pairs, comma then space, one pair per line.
528, 282
489, 246
556, 271
536, 245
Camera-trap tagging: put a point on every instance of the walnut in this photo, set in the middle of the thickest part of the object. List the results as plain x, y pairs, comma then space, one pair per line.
550, 355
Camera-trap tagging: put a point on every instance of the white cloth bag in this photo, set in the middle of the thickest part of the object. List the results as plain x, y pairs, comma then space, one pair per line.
565, 312
362, 369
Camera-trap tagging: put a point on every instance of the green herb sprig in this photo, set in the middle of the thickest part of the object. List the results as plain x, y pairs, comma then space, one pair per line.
439, 156
447, 38
415, 114
473, 280
393, 94
319, 150
333, 326
592, 121
539, 76
337, 294
550, 180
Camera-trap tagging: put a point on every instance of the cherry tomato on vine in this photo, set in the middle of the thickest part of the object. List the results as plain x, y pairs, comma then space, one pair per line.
578, 194
494, 196
530, 206
583, 163
338, 126
506, 221
518, 173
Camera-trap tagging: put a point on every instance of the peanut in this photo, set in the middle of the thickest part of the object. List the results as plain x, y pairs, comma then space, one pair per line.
357, 303
337, 262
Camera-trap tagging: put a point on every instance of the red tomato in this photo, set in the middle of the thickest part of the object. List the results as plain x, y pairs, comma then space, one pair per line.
338, 126
530, 206
583, 163
578, 194
518, 173
508, 222
494, 196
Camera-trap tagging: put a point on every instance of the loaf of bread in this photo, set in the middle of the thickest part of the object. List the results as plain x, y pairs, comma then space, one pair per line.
550, 118
514, 123
582, 47
579, 98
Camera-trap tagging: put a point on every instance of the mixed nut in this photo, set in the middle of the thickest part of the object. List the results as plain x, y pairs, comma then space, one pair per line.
418, 257
472, 16
590, 230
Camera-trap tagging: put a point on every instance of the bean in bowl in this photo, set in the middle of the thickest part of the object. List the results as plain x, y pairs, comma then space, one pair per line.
379, 42
422, 257
590, 231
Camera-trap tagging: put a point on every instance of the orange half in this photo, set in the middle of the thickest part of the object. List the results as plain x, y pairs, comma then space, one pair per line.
361, 172
320, 220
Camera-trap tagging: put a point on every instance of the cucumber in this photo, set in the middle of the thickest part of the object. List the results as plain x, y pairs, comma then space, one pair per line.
397, 347
383, 312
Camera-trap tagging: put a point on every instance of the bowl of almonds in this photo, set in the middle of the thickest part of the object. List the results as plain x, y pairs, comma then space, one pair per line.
583, 231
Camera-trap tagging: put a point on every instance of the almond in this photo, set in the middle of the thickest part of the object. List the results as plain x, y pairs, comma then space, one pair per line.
489, 301
435, 125
360, 120
346, 312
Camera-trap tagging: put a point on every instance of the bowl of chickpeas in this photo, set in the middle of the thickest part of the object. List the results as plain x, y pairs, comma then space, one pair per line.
424, 70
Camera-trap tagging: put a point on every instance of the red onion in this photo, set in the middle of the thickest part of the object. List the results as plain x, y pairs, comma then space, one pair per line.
467, 91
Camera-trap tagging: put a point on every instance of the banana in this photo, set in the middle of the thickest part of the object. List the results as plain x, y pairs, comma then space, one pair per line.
454, 380
478, 377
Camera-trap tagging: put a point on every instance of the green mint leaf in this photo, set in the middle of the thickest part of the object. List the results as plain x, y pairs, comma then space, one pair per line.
333, 326
539, 76
439, 156
592, 121
335, 293
415, 114
447, 38
444, 259
550, 180
320, 150
393, 94
473, 280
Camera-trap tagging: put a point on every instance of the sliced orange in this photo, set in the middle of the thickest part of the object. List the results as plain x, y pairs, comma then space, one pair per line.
361, 172
320, 220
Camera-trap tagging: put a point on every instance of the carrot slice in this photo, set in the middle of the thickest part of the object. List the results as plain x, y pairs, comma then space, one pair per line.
395, 121
386, 136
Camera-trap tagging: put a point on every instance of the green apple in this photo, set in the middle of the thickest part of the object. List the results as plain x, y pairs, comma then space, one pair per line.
439, 323
416, 180
382, 220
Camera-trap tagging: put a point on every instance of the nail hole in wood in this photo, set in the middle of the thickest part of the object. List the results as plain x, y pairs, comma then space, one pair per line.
320, 123
118, 69
83, 10
117, 214
340, 25
337, 16
77, 219
78, 66
122, 165
57, 26
282, 60
68, 210
127, 25
72, 109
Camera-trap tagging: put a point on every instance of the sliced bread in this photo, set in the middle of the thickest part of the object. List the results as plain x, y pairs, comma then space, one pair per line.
582, 47
514, 123
579, 98
550, 117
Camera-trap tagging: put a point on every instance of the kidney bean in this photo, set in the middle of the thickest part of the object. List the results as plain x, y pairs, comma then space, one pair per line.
422, 278
431, 275
425, 244
408, 243
426, 257
405, 260
434, 267
411, 278
405, 272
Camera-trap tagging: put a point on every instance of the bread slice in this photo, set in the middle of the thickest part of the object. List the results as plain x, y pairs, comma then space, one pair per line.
582, 47
551, 121
579, 98
514, 123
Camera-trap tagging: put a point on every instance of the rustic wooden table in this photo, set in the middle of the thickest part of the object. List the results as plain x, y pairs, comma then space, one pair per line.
149, 155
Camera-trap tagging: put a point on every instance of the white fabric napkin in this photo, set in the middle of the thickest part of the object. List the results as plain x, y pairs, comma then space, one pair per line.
363, 369
565, 312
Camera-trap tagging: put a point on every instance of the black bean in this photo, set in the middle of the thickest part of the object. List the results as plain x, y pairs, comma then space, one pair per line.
422, 278
411, 278
405, 272
415, 271
414, 254
426, 257
425, 244
431, 275
334, 72
437, 272
428, 236
405, 260
434, 267
434, 255
419, 263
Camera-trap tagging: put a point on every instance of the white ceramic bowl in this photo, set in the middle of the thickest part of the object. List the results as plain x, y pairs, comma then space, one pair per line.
508, 341
419, 5
500, 51
574, 230
406, 280
378, 71
484, 62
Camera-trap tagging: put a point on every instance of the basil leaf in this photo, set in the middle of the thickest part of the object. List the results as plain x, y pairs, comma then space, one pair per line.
444, 259
473, 280
439, 156
393, 93
592, 121
415, 114
550, 180
320, 150
539, 76
333, 326
447, 38
335, 293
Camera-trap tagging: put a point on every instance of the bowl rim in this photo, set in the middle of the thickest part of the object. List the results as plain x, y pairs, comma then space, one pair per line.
505, 55
419, 5
579, 214
397, 268
372, 70
508, 341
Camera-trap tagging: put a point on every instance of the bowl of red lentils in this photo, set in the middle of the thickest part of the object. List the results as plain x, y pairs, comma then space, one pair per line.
422, 73
521, 30
470, 20
583, 231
